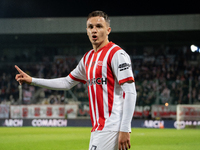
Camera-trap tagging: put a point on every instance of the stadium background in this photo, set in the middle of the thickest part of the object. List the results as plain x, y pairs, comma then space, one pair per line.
47, 39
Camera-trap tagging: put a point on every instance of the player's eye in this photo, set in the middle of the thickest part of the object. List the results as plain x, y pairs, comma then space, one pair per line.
90, 26
99, 26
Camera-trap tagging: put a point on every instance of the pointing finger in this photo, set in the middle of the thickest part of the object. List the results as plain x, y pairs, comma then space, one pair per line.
18, 69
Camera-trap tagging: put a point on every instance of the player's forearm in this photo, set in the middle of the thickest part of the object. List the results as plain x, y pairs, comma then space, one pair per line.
128, 106
64, 83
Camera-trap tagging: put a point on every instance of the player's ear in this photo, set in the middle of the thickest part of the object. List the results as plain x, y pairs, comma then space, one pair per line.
108, 30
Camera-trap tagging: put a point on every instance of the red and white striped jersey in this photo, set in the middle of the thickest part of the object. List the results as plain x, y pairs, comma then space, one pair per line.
104, 71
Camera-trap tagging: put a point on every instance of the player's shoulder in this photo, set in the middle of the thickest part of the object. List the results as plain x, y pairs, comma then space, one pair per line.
114, 48
117, 50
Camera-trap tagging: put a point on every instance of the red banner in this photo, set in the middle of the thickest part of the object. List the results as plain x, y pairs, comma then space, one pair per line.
44, 111
161, 111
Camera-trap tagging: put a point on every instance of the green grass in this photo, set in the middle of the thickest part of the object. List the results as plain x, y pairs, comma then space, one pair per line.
74, 138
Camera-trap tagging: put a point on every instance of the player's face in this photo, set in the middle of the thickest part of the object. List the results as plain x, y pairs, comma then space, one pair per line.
98, 31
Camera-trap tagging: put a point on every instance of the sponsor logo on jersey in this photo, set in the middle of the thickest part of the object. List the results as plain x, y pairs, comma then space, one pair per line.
100, 63
124, 66
98, 81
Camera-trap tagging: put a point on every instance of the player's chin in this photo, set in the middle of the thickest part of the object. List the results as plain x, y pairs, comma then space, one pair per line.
94, 42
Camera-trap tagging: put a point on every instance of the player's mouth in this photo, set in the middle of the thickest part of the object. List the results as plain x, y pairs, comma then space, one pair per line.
94, 37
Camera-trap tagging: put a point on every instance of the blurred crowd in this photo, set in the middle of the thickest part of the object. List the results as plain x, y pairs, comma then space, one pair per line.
163, 75
167, 75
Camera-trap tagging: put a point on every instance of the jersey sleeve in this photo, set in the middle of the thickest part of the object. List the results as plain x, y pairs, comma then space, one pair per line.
79, 74
121, 65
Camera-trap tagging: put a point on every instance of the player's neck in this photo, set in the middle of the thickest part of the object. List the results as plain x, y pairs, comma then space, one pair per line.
97, 47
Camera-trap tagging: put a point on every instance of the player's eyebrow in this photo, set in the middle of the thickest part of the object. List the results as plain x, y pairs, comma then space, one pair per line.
97, 25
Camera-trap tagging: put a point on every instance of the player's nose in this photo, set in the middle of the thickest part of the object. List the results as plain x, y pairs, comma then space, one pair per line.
94, 29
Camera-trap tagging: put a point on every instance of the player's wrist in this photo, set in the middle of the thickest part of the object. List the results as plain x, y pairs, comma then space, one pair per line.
125, 128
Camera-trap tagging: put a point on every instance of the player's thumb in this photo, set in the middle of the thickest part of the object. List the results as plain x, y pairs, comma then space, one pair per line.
22, 79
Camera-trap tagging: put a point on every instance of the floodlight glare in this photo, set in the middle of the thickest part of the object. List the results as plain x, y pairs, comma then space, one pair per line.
193, 48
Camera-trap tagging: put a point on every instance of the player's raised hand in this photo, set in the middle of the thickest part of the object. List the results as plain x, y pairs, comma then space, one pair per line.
22, 76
